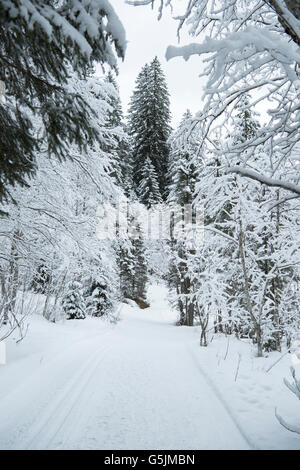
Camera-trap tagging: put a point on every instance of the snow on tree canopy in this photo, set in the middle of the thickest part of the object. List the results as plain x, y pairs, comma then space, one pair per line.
246, 47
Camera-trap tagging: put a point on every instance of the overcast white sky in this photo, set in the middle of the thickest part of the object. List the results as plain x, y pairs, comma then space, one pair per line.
148, 37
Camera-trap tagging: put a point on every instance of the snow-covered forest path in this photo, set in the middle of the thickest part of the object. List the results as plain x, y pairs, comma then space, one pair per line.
134, 385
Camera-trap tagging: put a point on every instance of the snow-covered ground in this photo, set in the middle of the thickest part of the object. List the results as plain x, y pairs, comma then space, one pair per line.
140, 384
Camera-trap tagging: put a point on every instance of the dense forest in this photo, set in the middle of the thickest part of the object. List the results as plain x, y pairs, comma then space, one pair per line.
222, 187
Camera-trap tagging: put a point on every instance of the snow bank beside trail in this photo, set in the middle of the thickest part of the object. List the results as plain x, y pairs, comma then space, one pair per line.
251, 393
43, 343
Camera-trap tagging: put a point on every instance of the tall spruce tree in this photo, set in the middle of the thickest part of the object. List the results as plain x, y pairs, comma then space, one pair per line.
245, 124
148, 190
149, 127
139, 281
183, 176
121, 163
115, 115
183, 167
126, 264
132, 264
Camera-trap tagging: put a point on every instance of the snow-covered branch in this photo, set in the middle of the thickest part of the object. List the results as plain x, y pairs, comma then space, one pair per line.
254, 175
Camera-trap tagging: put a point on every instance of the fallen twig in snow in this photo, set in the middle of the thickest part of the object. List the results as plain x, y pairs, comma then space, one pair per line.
225, 357
276, 362
238, 367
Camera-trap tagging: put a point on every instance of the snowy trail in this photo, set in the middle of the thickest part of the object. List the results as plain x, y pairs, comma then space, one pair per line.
134, 387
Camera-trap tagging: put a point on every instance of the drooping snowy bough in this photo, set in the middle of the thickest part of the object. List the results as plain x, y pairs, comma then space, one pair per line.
42, 43
294, 387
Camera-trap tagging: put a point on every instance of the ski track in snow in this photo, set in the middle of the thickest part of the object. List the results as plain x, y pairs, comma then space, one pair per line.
215, 390
135, 386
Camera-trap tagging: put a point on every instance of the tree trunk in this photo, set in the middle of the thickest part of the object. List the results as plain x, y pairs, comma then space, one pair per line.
247, 292
259, 341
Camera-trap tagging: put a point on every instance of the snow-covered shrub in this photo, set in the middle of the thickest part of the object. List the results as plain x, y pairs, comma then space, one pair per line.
99, 302
73, 301
294, 387
41, 279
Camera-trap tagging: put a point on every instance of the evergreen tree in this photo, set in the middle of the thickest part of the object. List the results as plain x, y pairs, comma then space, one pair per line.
115, 114
148, 189
245, 124
183, 165
183, 176
98, 302
126, 264
41, 43
131, 260
149, 125
133, 269
41, 279
140, 278
121, 163
73, 301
